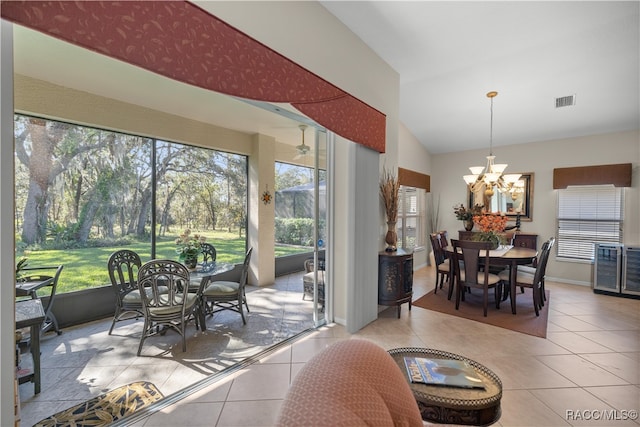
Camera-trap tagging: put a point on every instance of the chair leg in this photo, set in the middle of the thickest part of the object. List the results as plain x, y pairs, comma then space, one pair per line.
244, 298
116, 315
450, 287
485, 300
244, 321
145, 330
535, 290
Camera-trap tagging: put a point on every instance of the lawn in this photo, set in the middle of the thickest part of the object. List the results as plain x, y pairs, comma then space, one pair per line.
86, 267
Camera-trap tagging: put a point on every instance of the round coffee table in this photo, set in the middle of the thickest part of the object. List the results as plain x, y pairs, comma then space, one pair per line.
454, 405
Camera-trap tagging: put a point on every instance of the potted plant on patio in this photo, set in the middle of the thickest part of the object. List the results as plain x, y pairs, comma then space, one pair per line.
188, 247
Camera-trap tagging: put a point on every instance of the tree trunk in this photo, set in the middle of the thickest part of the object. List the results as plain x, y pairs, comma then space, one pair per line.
37, 207
143, 216
87, 216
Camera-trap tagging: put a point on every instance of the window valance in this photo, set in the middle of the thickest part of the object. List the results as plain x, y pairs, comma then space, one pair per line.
414, 179
619, 175
179, 40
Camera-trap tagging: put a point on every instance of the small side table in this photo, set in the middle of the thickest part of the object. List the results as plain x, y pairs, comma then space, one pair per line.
29, 313
454, 405
395, 278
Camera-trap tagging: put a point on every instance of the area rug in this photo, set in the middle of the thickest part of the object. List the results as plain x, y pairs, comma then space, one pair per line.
107, 408
524, 320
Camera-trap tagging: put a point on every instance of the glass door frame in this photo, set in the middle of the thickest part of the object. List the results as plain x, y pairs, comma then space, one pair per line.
320, 242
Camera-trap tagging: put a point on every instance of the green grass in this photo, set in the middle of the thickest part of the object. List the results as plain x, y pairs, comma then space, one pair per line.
87, 267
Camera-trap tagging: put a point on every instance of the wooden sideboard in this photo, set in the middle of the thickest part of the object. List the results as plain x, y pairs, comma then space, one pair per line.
395, 278
522, 240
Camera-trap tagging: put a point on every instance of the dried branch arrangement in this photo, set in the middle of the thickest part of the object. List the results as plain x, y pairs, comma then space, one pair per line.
389, 188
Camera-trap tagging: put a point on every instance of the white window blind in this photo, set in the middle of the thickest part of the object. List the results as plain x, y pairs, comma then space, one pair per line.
588, 214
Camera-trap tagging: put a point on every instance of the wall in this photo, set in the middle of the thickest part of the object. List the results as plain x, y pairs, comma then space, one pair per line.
319, 42
414, 156
541, 158
54, 101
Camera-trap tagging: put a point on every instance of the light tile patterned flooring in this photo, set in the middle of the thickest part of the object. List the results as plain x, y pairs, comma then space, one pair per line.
587, 367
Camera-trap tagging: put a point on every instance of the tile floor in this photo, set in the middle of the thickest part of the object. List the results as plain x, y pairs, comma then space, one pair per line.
587, 367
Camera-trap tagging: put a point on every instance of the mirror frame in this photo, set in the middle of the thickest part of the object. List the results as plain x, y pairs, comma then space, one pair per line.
527, 215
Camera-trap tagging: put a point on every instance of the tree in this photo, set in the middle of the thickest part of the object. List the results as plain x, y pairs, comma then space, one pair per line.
46, 148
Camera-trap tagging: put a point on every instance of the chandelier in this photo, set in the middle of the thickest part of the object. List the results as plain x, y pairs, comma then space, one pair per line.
491, 176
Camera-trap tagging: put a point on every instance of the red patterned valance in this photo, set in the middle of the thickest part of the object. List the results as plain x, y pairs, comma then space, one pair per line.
181, 41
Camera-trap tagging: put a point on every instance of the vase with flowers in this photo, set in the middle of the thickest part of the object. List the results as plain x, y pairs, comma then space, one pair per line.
389, 189
188, 247
491, 228
466, 215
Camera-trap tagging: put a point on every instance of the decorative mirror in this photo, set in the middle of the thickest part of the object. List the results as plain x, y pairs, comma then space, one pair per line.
518, 200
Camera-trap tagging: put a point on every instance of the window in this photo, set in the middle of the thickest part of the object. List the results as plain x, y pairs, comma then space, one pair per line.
410, 217
82, 193
294, 208
588, 214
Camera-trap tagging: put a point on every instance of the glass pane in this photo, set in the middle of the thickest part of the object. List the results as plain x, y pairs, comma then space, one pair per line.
204, 192
95, 197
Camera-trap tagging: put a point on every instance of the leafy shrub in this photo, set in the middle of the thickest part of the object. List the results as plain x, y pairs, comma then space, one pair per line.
294, 231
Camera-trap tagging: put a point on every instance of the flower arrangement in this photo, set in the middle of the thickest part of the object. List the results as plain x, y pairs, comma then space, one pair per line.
389, 188
465, 214
188, 246
487, 223
490, 227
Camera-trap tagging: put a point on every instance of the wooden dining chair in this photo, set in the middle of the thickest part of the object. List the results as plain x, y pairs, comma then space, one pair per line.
525, 278
467, 256
443, 270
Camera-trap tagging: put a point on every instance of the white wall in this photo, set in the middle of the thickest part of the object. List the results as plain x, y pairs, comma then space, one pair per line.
414, 156
541, 158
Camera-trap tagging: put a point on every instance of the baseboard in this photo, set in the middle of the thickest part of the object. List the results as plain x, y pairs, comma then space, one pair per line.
567, 281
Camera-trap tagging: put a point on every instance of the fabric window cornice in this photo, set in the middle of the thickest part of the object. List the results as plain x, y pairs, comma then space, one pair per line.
179, 40
411, 178
618, 175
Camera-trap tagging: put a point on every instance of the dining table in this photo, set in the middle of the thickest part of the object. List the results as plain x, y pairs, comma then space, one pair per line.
509, 256
208, 269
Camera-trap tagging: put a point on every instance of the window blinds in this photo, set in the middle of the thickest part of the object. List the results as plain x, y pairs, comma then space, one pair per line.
588, 214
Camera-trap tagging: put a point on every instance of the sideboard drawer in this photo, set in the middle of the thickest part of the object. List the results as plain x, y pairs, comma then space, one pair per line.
525, 240
522, 240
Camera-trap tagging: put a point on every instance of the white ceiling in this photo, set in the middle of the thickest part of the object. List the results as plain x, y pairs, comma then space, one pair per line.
448, 56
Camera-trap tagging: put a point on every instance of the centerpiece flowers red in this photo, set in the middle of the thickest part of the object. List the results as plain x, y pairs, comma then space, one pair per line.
490, 226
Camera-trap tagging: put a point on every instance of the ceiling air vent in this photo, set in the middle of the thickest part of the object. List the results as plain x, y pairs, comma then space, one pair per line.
565, 101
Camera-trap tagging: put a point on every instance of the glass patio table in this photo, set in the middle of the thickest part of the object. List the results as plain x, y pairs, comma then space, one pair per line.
207, 269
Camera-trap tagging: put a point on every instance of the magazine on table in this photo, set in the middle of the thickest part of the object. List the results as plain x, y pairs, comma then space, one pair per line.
444, 372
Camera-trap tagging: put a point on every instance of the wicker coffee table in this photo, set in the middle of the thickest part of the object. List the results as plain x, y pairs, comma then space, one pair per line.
453, 405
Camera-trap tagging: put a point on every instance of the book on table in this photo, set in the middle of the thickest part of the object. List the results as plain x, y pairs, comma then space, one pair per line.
442, 372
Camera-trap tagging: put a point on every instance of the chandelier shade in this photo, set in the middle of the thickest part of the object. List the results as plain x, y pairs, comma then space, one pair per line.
491, 175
